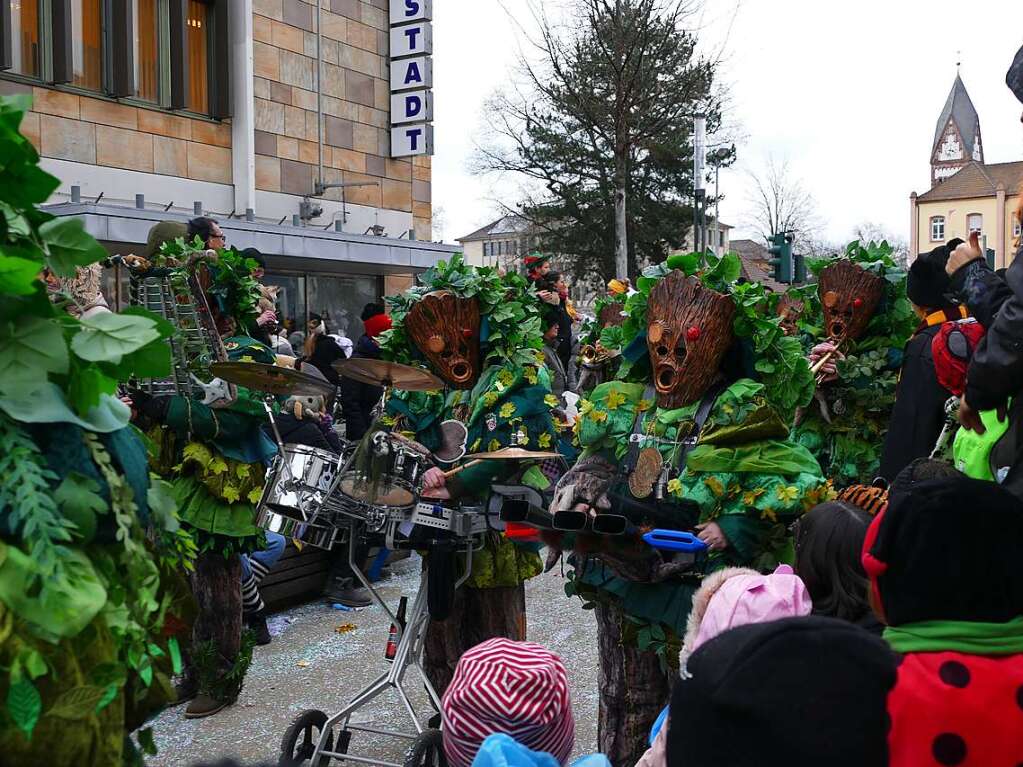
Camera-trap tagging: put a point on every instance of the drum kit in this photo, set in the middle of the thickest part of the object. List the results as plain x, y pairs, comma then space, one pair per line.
374, 489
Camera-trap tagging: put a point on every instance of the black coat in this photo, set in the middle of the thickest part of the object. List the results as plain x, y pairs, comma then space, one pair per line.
919, 412
301, 432
358, 399
325, 353
996, 370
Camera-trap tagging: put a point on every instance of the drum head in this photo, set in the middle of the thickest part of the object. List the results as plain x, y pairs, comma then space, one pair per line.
390, 493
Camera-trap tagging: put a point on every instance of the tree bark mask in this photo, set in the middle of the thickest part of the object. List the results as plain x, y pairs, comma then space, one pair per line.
689, 329
849, 298
447, 330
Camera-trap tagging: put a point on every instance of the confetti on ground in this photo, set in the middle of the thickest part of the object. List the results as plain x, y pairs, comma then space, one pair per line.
302, 663
344, 628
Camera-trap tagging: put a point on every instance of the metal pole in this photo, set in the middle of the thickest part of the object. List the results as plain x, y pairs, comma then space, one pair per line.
319, 94
699, 185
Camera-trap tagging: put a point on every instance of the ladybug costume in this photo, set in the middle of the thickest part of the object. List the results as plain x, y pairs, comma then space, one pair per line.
944, 568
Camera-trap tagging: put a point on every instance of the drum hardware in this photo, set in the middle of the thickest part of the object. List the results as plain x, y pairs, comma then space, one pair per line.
571, 521
523, 512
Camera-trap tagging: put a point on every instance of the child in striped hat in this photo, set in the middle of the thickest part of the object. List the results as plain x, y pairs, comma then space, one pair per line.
519, 689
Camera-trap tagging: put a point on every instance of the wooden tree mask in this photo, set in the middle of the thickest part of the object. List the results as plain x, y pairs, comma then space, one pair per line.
447, 330
849, 296
689, 329
789, 310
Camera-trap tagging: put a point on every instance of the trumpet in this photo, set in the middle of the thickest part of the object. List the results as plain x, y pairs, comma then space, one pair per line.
816, 367
588, 354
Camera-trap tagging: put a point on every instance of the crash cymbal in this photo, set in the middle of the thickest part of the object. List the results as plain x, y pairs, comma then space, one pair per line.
271, 379
516, 454
389, 374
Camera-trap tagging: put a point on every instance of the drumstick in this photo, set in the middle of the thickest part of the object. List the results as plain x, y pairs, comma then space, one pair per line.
453, 472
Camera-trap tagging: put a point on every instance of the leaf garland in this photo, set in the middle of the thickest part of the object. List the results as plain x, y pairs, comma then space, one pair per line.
508, 305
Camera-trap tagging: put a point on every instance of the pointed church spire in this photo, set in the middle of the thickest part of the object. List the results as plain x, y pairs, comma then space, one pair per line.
957, 137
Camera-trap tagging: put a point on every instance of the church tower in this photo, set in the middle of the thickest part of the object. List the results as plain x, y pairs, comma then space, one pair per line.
957, 140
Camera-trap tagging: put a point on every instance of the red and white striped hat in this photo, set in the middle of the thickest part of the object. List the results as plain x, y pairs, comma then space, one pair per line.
516, 688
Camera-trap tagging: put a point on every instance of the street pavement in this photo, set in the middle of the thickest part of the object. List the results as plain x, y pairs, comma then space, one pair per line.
316, 661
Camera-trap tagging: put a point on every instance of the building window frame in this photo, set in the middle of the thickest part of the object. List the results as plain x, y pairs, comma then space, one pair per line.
971, 218
56, 54
937, 228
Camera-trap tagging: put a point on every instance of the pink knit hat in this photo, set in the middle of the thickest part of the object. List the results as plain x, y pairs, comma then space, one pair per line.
516, 688
753, 598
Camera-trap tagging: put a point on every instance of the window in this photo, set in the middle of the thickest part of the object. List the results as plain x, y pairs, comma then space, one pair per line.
147, 59
938, 229
198, 21
25, 51
87, 43
975, 223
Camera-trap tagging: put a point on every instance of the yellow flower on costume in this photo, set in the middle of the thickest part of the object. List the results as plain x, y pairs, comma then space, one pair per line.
585, 406
231, 494
474, 448
616, 287
787, 494
544, 440
769, 514
507, 410
749, 498
675, 486
550, 400
715, 486
644, 405
489, 399
599, 416
493, 446
614, 399
255, 494
506, 377
531, 376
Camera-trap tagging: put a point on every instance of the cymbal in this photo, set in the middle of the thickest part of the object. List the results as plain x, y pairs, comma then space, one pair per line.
271, 379
391, 374
516, 454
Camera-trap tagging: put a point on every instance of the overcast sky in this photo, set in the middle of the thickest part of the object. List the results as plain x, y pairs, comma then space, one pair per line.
847, 93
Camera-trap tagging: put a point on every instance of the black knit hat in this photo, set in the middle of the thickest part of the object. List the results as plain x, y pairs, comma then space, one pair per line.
794, 692
927, 282
949, 549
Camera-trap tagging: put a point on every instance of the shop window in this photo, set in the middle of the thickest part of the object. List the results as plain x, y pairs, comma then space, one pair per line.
149, 58
25, 47
938, 229
199, 23
975, 223
340, 300
87, 44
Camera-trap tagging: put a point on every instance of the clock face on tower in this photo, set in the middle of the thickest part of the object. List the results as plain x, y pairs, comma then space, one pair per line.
950, 148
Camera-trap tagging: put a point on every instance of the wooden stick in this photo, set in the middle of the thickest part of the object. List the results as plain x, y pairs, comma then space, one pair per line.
463, 467
822, 361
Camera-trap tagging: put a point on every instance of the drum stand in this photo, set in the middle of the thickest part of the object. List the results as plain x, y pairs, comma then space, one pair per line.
409, 654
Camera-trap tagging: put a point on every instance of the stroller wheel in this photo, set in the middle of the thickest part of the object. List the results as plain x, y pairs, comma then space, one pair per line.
301, 738
426, 751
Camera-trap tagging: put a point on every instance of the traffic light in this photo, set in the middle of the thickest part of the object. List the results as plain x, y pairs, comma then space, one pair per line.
781, 261
800, 266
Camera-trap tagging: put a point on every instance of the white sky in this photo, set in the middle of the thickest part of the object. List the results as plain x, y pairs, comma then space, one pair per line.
847, 93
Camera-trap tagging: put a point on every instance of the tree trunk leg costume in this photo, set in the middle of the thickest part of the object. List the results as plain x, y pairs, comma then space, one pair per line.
476, 616
216, 635
633, 689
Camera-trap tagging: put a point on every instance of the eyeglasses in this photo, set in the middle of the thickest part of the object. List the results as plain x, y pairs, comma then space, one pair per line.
219, 236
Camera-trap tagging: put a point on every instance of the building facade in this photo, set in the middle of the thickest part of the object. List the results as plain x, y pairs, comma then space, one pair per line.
273, 116
967, 195
501, 243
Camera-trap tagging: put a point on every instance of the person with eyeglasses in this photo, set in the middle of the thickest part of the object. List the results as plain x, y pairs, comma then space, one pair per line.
208, 230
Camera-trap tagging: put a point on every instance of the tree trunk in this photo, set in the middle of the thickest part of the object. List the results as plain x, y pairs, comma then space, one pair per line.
633, 690
216, 584
476, 616
621, 234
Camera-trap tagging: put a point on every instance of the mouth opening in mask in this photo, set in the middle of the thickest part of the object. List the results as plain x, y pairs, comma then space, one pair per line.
460, 371
837, 329
665, 379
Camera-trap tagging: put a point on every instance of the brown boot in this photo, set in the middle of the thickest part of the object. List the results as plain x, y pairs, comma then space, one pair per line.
203, 705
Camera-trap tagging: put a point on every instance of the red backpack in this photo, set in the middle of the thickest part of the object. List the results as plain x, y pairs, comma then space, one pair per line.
952, 349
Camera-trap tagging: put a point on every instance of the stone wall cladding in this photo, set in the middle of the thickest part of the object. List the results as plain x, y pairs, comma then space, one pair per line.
71, 126
356, 100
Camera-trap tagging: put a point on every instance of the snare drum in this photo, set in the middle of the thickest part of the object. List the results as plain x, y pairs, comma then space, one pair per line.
298, 481
311, 533
399, 465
